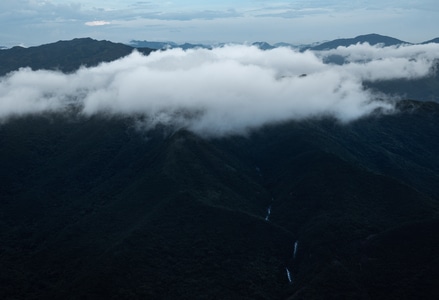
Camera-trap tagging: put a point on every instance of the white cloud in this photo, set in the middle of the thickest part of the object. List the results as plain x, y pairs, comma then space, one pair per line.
221, 91
97, 23
382, 63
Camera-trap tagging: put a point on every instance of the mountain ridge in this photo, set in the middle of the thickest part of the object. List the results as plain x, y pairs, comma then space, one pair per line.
89, 52
66, 56
372, 39
435, 40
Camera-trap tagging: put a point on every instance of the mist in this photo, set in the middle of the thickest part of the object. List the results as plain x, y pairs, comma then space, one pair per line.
226, 90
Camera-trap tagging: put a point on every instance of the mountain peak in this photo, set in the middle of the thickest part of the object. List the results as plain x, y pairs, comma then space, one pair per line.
372, 39
66, 56
435, 40
263, 45
375, 38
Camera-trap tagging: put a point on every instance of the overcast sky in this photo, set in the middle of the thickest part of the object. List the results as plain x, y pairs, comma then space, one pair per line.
34, 22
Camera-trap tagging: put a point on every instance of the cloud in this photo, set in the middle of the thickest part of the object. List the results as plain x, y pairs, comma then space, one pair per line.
34, 22
97, 23
362, 52
227, 90
384, 63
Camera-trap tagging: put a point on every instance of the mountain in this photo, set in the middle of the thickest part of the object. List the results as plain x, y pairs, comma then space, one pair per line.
66, 56
99, 208
186, 46
436, 40
372, 39
263, 45
423, 89
152, 45
283, 44
164, 45
94, 208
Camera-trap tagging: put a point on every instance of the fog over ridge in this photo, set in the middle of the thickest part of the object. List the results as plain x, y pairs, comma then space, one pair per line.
225, 90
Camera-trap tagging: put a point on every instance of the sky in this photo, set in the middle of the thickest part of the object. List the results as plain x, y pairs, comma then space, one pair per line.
224, 91
35, 22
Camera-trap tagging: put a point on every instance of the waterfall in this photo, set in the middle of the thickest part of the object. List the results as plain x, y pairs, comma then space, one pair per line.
289, 275
296, 243
268, 213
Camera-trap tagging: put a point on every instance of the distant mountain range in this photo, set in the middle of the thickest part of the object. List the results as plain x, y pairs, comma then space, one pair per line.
372, 39
165, 45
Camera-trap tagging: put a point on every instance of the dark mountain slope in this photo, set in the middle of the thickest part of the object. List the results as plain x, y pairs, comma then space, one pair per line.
93, 208
66, 56
336, 184
398, 145
402, 260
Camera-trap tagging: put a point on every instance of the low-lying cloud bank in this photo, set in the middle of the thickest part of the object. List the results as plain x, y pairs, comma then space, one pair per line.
222, 91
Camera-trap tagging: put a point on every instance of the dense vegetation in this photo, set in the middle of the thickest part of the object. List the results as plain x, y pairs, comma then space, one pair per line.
93, 207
